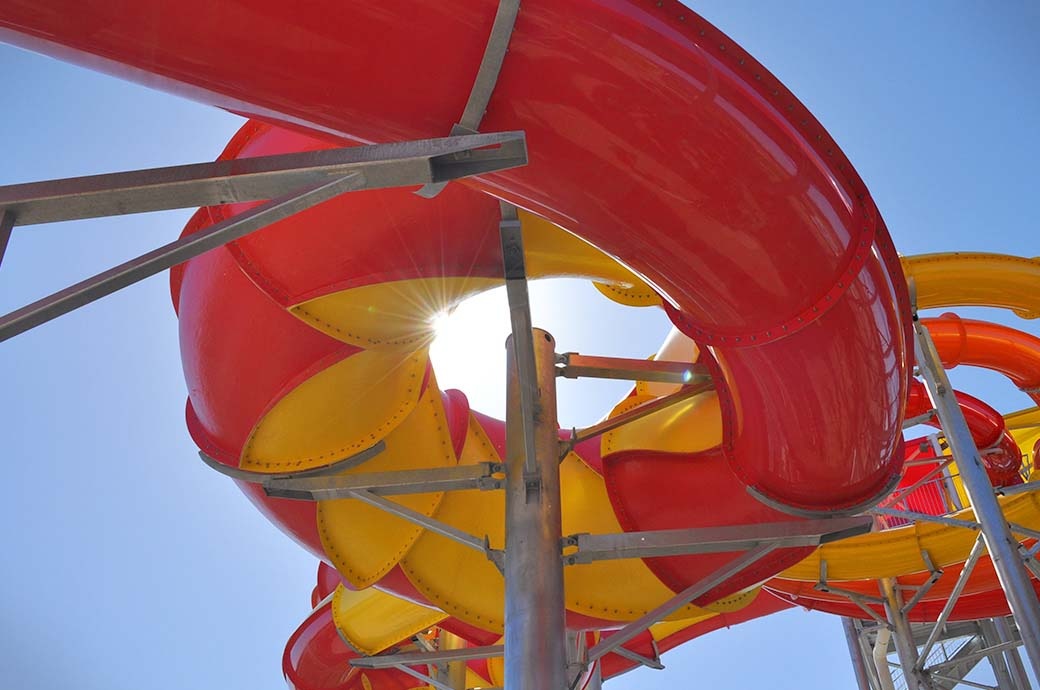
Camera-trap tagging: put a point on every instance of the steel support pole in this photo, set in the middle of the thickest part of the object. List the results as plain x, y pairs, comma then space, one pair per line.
990, 638
904, 638
1013, 658
1002, 547
855, 653
535, 637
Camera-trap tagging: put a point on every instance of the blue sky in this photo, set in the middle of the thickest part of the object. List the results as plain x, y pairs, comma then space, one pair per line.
127, 564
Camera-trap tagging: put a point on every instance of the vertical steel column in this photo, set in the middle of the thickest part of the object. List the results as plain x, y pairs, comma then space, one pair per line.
855, 653
868, 659
990, 638
1013, 658
535, 638
1002, 547
905, 647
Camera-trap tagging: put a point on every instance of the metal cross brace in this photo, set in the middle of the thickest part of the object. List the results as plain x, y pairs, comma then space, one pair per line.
860, 600
977, 655
925, 517
958, 587
295, 182
936, 574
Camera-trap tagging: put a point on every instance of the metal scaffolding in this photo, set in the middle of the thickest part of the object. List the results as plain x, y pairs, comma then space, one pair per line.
955, 652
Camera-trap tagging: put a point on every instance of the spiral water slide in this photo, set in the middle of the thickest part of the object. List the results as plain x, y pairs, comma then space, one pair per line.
928, 554
668, 166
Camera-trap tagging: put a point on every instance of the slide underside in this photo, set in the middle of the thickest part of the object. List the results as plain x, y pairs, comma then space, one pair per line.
668, 166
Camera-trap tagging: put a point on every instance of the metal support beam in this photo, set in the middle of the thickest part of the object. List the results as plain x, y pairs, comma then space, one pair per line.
997, 662
951, 601
904, 638
515, 269
169, 255
936, 574
859, 666
644, 410
1014, 660
1017, 489
572, 365
680, 542
681, 599
264, 177
860, 600
460, 477
420, 658
535, 638
924, 517
1002, 547
295, 182
415, 517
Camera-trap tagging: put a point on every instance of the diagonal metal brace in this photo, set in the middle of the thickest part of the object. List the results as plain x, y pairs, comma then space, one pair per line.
646, 409
295, 181
654, 663
257, 179
633, 629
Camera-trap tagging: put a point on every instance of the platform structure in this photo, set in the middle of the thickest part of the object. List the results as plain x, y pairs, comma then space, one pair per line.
959, 649
540, 652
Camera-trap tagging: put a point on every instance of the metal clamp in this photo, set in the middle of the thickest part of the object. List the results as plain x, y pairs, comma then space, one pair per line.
485, 81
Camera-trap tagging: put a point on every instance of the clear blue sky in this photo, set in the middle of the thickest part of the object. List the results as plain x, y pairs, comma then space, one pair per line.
128, 565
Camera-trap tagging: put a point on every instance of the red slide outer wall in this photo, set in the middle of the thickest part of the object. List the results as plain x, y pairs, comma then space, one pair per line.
651, 134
